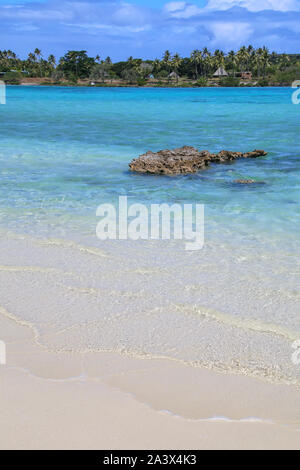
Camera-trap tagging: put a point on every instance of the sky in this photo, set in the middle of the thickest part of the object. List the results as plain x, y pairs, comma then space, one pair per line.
146, 28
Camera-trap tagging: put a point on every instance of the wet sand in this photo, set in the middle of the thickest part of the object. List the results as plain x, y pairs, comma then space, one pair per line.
142, 406
84, 372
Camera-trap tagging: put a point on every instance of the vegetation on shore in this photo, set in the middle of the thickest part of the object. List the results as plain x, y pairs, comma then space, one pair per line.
77, 68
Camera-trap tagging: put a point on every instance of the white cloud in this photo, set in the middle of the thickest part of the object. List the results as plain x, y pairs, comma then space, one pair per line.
128, 13
123, 27
174, 6
182, 10
255, 5
230, 35
112, 29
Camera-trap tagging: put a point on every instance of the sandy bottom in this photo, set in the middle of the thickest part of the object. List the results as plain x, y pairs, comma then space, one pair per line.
62, 388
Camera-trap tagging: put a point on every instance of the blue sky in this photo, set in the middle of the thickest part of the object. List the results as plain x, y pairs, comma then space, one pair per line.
145, 28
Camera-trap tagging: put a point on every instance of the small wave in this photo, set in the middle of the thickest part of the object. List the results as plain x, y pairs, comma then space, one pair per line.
60, 243
220, 419
31, 269
245, 324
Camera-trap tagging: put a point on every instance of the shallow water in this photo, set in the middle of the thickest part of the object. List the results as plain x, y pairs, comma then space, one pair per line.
66, 150
233, 306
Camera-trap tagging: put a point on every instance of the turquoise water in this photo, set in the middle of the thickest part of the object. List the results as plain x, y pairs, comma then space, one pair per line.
64, 151
233, 306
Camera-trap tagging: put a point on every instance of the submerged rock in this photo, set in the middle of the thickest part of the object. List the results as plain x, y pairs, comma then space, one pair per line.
244, 181
185, 160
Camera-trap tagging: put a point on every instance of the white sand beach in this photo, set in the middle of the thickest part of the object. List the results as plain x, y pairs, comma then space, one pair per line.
97, 358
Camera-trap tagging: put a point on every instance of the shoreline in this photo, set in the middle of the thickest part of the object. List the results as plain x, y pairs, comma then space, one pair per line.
98, 401
73, 264
144, 87
74, 396
42, 414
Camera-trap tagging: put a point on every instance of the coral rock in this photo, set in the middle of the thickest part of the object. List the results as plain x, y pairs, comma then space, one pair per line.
185, 160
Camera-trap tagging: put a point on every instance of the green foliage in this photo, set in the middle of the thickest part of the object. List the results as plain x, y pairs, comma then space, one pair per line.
141, 82
71, 78
130, 76
185, 85
57, 75
288, 76
99, 72
201, 82
12, 78
263, 82
13, 81
163, 74
75, 65
118, 68
230, 82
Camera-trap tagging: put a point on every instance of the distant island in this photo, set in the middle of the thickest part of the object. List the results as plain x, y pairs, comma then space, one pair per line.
246, 67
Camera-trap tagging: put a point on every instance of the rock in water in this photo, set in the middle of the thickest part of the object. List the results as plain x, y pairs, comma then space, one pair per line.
244, 181
255, 154
185, 160
171, 162
225, 156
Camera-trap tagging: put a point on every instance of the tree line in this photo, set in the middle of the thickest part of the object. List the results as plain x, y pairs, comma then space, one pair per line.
199, 66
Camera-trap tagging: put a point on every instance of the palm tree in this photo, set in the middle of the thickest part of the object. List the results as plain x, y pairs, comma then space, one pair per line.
205, 52
176, 62
51, 61
31, 63
243, 58
73, 56
265, 60
196, 58
253, 60
156, 66
274, 57
257, 61
31, 57
206, 60
38, 55
219, 57
284, 61
49, 65
250, 49
232, 58
167, 59
130, 60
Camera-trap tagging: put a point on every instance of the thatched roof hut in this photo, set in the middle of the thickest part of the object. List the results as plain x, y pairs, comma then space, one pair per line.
173, 76
221, 72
